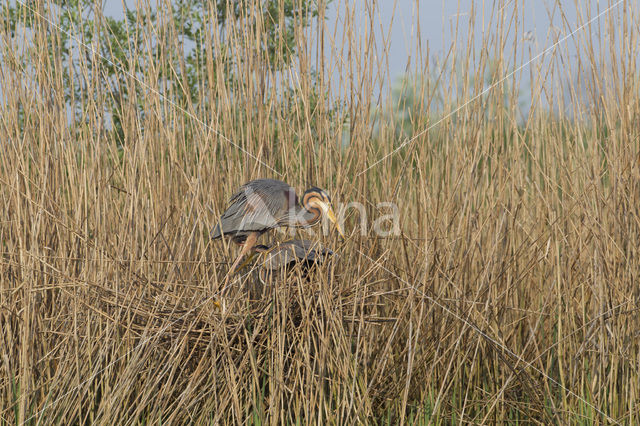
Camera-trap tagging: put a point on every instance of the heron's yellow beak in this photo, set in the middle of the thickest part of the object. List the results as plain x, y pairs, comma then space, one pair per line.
332, 218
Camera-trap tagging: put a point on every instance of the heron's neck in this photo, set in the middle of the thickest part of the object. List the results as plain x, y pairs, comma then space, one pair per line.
305, 218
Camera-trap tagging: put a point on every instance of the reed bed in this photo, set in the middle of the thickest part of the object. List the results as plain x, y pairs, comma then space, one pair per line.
509, 295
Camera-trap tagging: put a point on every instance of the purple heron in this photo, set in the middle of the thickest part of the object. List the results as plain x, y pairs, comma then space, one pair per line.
265, 204
284, 257
290, 253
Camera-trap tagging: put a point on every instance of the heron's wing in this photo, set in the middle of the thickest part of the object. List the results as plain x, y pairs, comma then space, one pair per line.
258, 206
303, 249
280, 256
309, 250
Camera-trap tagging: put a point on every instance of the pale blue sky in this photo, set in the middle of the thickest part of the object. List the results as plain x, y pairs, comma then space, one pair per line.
543, 22
437, 18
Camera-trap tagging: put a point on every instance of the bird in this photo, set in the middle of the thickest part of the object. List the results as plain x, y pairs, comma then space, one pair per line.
279, 259
265, 204
286, 255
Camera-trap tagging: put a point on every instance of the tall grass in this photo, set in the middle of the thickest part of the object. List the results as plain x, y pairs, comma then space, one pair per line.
510, 295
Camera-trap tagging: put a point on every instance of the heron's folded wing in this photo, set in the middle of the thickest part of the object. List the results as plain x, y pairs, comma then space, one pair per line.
251, 210
257, 206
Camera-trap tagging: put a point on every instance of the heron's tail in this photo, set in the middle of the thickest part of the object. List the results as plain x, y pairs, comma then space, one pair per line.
216, 233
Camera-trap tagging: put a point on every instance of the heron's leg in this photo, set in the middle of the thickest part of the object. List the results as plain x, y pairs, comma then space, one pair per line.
258, 248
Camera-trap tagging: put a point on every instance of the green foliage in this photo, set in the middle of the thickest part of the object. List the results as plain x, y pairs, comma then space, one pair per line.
123, 51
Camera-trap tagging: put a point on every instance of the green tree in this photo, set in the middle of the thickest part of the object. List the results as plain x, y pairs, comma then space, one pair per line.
124, 47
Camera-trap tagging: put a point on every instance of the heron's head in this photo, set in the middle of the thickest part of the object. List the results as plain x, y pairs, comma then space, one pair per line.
318, 199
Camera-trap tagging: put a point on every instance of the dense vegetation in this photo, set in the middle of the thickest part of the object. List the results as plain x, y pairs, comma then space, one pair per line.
510, 294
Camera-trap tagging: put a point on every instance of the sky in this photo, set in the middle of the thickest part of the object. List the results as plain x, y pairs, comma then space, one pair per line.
433, 22
404, 22
437, 18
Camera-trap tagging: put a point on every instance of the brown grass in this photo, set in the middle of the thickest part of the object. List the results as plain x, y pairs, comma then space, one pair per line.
511, 294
